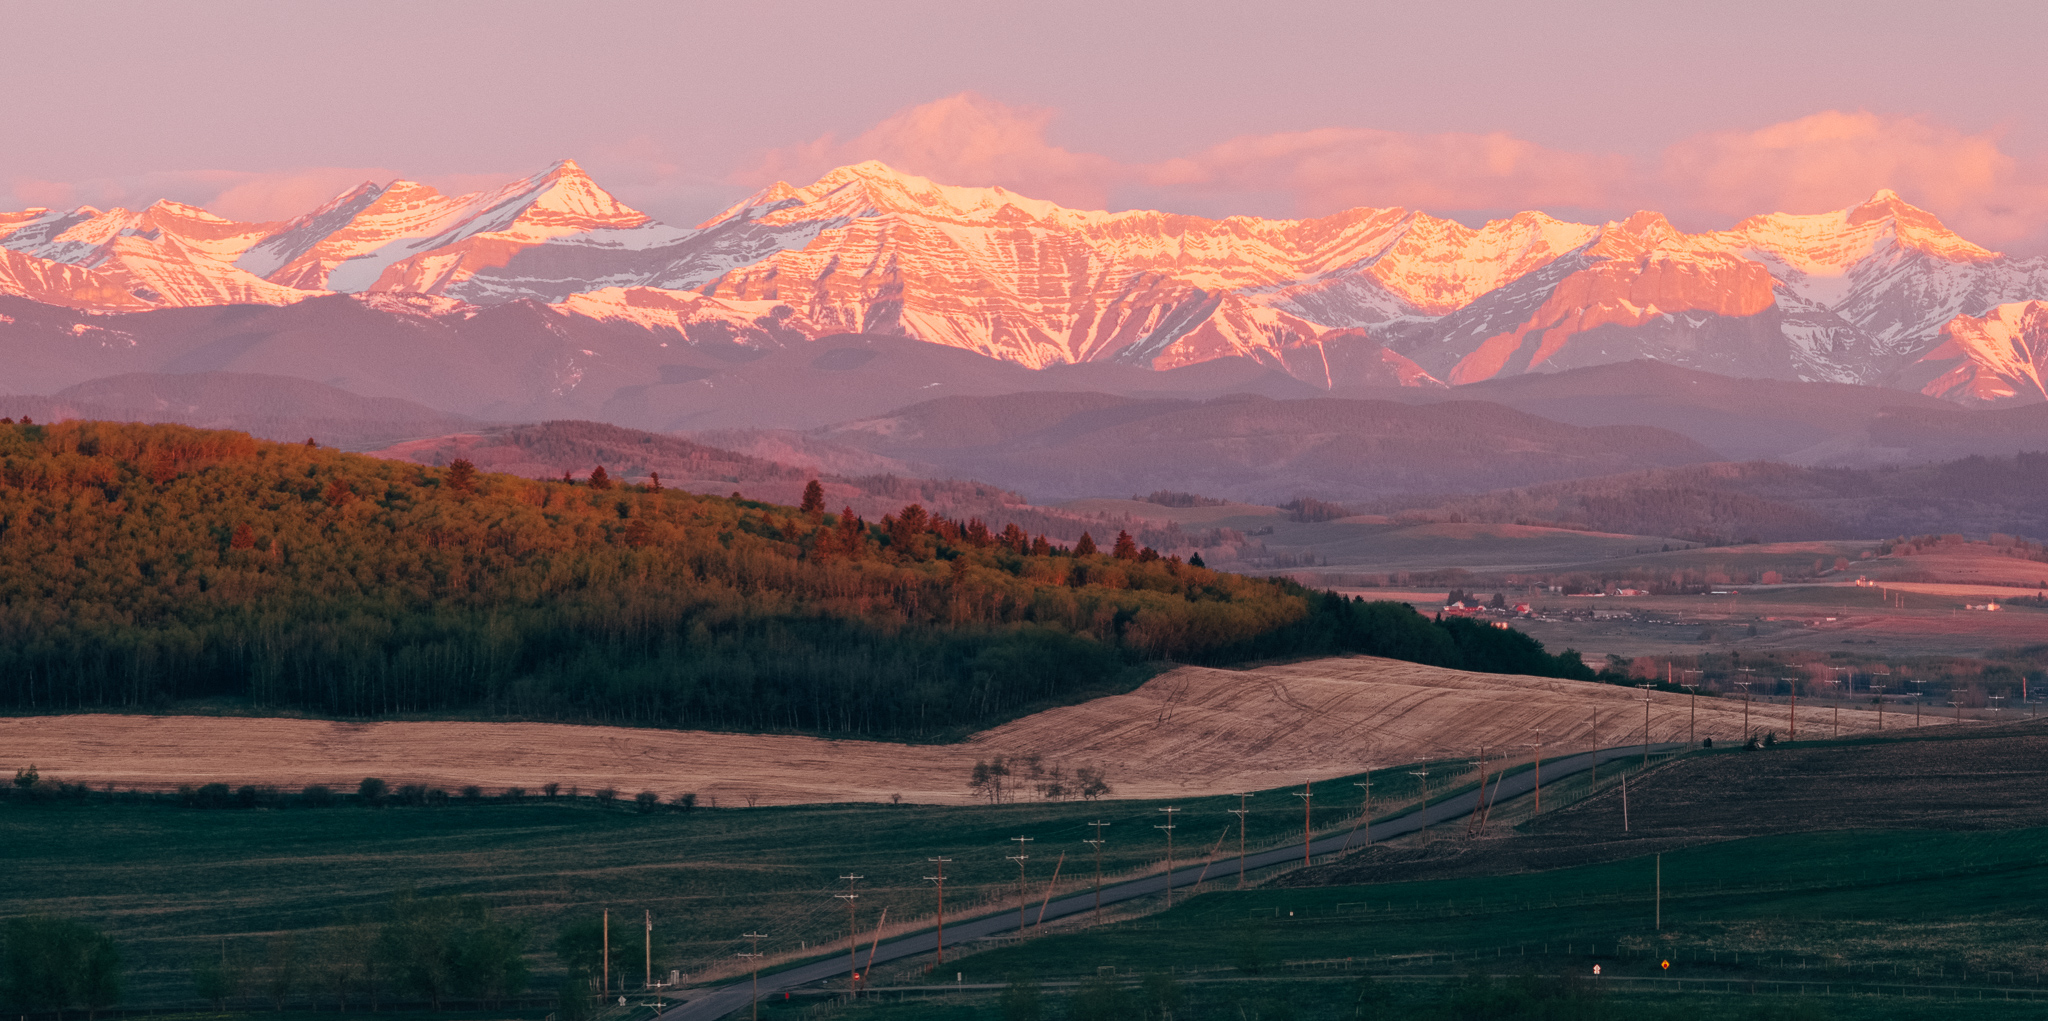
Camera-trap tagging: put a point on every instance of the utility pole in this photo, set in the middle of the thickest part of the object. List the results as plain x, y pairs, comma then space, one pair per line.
1692, 724
1241, 811
941, 880
1096, 843
1795, 709
1646, 731
753, 955
1744, 685
1880, 705
1624, 800
1538, 744
1423, 775
1478, 796
1168, 827
1020, 858
1307, 794
605, 986
647, 949
852, 936
1365, 811
1660, 893
1594, 757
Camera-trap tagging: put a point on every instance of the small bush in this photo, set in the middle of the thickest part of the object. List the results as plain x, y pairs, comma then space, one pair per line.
514, 794
371, 791
605, 796
1021, 1000
551, 789
472, 794
317, 796
213, 795
685, 801
246, 796
647, 801
1101, 998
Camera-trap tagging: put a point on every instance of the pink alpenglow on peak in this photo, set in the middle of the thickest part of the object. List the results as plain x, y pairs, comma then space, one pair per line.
1369, 296
1994, 358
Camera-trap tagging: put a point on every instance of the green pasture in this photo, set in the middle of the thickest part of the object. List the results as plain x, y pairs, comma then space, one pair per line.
170, 884
1921, 909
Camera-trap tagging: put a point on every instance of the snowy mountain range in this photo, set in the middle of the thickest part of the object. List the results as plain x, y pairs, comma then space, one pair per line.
1877, 294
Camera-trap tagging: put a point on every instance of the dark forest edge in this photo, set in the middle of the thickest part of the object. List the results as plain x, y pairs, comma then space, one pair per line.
141, 565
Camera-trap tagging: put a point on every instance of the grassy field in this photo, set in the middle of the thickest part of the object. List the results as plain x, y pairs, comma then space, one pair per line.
171, 883
1903, 921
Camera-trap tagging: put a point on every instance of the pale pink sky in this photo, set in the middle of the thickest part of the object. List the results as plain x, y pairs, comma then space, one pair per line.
1708, 111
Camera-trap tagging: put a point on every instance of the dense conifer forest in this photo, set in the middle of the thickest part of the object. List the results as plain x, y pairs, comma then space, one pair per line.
143, 564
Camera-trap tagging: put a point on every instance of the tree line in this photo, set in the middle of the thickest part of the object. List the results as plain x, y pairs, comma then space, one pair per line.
144, 564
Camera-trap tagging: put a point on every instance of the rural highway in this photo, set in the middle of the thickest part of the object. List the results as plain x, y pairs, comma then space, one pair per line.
735, 996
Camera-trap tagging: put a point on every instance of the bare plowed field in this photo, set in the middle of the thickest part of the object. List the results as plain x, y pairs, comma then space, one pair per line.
1192, 731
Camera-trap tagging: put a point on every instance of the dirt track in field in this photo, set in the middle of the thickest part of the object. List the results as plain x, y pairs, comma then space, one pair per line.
1193, 731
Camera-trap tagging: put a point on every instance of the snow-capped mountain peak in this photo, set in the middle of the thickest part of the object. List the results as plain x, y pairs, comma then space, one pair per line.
1857, 294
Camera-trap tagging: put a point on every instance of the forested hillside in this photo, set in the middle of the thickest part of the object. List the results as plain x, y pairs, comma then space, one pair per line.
141, 564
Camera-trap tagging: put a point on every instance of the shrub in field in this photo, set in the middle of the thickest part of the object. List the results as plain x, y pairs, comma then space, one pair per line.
282, 970
685, 801
1021, 999
605, 796
371, 791
56, 964
317, 796
514, 794
1162, 995
472, 794
579, 945
1101, 998
435, 947
218, 979
551, 789
647, 801
213, 795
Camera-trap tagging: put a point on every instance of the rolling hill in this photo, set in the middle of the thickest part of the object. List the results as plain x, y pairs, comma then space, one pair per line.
1053, 445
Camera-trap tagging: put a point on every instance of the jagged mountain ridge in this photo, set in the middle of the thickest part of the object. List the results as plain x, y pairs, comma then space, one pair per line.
1364, 296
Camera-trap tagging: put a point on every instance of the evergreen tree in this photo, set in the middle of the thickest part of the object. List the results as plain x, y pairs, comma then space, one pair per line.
1125, 548
1195, 560
462, 475
1085, 547
814, 498
600, 480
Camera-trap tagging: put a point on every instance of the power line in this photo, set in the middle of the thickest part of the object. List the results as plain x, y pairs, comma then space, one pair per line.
941, 880
852, 936
1096, 843
1168, 827
1364, 811
1307, 794
754, 956
1022, 896
1241, 811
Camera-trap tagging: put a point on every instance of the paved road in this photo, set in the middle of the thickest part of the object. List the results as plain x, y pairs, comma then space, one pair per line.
735, 996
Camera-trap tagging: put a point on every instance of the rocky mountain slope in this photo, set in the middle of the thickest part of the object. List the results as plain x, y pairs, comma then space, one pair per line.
1880, 293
